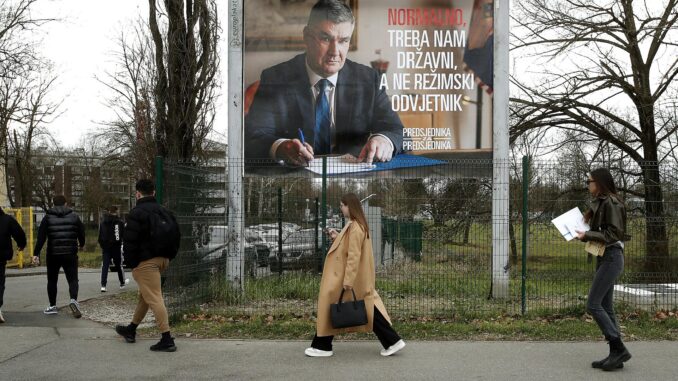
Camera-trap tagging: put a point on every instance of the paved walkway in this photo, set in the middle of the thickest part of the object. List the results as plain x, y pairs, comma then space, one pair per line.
35, 346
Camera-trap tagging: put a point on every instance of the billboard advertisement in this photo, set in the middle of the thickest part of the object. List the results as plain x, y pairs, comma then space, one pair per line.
395, 82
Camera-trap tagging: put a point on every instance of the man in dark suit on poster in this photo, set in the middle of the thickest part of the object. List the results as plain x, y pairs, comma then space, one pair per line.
320, 103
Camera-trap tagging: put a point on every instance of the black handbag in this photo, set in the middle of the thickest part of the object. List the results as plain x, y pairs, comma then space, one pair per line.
348, 314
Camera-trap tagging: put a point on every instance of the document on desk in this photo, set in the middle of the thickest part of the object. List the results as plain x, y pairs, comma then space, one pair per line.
569, 222
337, 165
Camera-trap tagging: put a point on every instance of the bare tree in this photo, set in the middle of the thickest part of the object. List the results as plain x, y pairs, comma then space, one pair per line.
609, 52
130, 137
17, 53
187, 63
18, 61
28, 129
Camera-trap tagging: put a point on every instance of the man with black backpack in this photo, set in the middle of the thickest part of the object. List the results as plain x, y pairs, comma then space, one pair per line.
150, 240
110, 240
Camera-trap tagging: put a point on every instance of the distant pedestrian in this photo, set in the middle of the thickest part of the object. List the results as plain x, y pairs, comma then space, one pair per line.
110, 239
151, 239
9, 229
607, 220
64, 232
349, 266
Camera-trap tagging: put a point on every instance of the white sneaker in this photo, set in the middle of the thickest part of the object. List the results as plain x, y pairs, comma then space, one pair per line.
124, 284
75, 308
312, 352
51, 310
393, 348
103, 289
2, 318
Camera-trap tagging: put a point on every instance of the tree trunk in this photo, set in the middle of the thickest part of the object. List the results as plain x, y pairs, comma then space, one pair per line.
467, 230
656, 241
260, 204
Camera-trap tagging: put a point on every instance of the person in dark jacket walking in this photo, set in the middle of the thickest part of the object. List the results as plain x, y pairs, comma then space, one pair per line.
110, 239
64, 232
142, 251
607, 220
9, 229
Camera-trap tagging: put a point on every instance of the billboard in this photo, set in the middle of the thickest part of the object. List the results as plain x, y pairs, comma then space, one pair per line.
367, 81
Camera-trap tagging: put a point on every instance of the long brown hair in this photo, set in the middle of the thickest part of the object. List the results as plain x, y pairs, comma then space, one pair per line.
605, 185
355, 211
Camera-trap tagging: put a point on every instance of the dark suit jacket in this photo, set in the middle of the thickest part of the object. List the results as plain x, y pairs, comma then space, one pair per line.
284, 103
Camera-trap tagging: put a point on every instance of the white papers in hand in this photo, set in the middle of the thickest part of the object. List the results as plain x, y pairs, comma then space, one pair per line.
339, 164
570, 221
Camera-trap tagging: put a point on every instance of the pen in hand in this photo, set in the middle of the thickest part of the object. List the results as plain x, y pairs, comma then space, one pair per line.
301, 136
306, 147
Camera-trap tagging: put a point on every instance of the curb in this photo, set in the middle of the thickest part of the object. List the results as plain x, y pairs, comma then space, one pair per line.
15, 273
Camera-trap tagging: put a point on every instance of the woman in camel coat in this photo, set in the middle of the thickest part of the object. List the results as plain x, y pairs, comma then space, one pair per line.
349, 265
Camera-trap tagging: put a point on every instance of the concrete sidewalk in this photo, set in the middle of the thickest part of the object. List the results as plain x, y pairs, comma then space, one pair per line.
35, 346
28, 293
96, 354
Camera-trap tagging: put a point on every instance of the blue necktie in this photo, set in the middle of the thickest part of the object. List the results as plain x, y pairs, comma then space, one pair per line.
321, 132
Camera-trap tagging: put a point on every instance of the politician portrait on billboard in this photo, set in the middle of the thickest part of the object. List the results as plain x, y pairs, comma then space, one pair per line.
375, 82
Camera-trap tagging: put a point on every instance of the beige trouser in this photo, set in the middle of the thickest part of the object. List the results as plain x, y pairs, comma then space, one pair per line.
147, 276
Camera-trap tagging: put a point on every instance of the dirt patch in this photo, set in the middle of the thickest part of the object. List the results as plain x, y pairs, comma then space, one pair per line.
116, 309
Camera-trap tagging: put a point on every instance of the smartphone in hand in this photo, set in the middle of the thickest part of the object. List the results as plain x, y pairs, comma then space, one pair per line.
331, 233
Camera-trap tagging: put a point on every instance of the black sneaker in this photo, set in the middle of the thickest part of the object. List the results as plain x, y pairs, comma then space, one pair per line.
126, 332
164, 346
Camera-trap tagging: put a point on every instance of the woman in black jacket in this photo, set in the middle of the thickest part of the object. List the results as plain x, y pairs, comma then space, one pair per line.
607, 219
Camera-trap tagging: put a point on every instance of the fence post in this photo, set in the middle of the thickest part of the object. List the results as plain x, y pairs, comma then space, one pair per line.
159, 178
280, 253
236, 163
526, 182
31, 237
20, 256
500, 154
319, 254
323, 206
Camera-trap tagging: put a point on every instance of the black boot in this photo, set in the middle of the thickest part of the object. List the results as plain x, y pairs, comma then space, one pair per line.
127, 331
599, 364
618, 355
166, 344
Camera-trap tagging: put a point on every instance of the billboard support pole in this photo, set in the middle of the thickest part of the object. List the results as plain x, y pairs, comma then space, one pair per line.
500, 167
236, 165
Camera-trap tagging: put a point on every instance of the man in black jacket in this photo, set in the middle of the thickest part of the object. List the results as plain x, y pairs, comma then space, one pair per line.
110, 240
320, 102
9, 229
141, 246
64, 232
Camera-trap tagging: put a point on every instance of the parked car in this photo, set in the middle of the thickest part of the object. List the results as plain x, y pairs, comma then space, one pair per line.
256, 248
298, 252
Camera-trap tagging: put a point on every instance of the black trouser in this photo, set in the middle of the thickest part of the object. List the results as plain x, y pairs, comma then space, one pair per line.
70, 265
109, 254
601, 296
3, 264
381, 327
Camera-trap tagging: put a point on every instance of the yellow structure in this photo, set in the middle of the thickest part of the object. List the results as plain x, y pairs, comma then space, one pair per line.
24, 217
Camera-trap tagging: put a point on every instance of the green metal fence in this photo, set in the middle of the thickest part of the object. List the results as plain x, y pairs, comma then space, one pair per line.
431, 228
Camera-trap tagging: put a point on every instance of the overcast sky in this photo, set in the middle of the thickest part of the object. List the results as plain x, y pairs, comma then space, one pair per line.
80, 46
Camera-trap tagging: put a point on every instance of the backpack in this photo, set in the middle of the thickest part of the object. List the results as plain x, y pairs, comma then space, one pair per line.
164, 233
